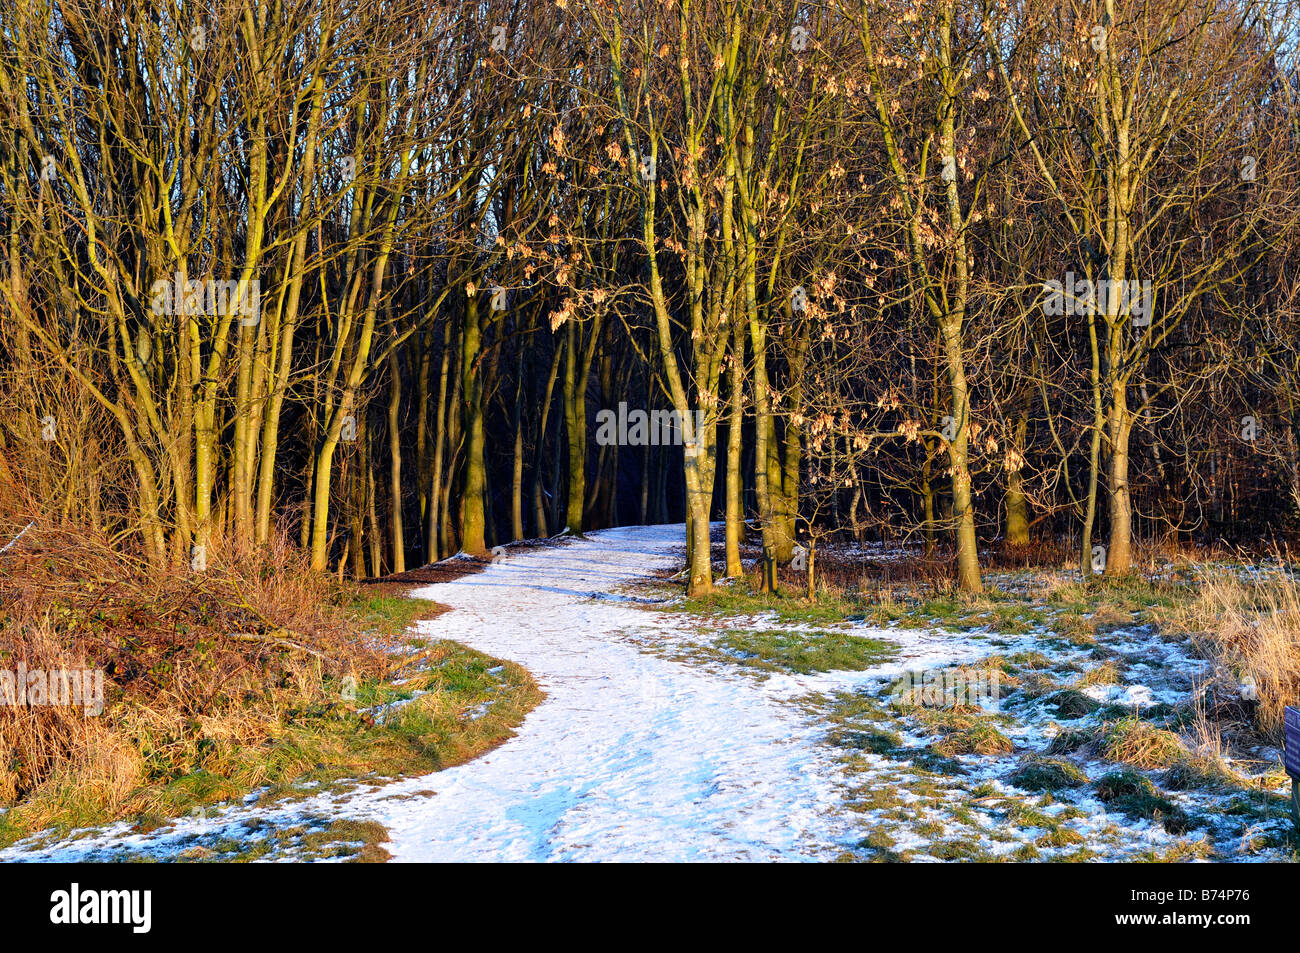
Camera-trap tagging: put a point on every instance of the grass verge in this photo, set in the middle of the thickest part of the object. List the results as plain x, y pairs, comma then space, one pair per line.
255, 675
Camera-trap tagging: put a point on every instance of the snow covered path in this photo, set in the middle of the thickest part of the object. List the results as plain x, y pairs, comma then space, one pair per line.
631, 756
647, 748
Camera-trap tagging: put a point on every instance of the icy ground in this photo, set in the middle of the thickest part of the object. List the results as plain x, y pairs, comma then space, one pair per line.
631, 756
644, 749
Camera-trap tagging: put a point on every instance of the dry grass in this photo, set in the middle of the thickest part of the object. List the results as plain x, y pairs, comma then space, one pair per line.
195, 666
1107, 673
1251, 631
214, 683
965, 731
1139, 743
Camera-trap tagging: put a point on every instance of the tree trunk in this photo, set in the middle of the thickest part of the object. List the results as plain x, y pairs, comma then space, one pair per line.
473, 513
575, 425
1017, 530
1119, 557
433, 519
395, 461
968, 567
517, 474
735, 514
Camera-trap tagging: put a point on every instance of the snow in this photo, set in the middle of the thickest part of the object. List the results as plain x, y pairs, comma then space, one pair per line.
641, 751
1131, 696
631, 756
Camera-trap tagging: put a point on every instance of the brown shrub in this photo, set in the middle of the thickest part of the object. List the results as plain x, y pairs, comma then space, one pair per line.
1250, 629
194, 665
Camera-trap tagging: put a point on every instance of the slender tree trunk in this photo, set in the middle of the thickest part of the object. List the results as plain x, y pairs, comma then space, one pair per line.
735, 514
1094, 452
539, 493
423, 343
517, 476
435, 475
1017, 531
968, 568
473, 520
1119, 557
395, 461
762, 434
241, 466
782, 518
927, 509
792, 451
575, 423
372, 516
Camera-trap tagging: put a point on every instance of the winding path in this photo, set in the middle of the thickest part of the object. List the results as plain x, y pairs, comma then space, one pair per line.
646, 749
631, 756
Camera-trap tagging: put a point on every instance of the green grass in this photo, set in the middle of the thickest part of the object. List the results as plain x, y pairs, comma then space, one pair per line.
926, 787
869, 740
1006, 615
850, 707
1137, 796
955, 612
960, 850
1022, 814
306, 839
742, 598
1070, 741
1131, 593
804, 652
391, 615
1072, 703
1193, 772
1047, 774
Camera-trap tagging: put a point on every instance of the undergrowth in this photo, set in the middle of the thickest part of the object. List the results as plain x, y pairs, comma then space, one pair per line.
256, 673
